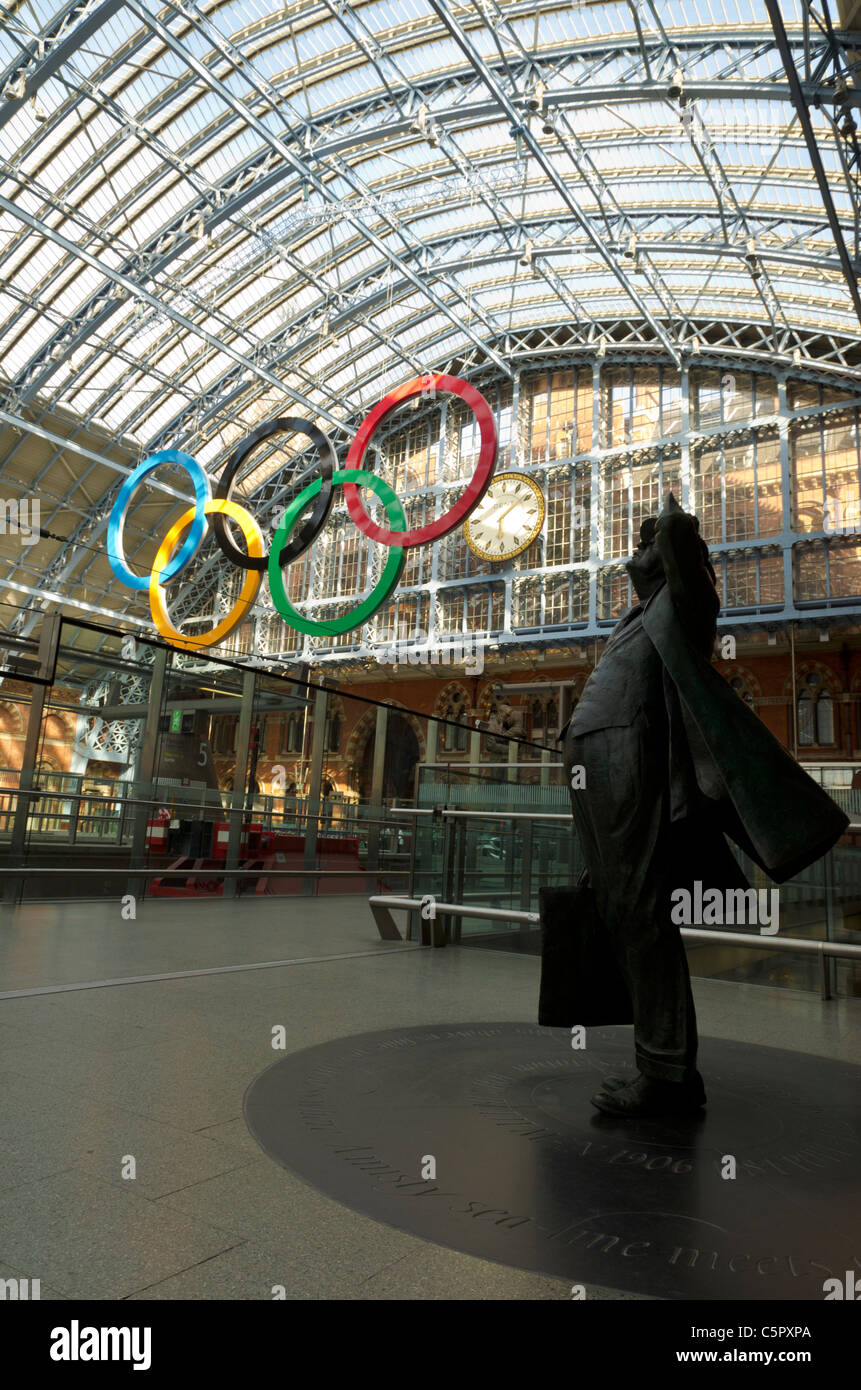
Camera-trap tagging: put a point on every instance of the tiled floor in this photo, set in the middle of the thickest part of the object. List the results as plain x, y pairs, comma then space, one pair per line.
156, 1070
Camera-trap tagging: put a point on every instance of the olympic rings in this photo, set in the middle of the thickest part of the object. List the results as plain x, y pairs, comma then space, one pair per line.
384, 585
286, 546
318, 518
247, 594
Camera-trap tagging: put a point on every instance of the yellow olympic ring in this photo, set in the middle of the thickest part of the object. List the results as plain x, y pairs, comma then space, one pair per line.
247, 594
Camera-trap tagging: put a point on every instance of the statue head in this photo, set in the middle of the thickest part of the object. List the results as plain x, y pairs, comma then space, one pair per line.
646, 566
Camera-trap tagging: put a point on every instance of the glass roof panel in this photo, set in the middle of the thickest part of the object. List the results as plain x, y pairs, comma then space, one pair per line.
455, 211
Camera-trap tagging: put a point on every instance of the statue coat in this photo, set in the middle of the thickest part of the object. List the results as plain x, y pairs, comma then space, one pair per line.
724, 758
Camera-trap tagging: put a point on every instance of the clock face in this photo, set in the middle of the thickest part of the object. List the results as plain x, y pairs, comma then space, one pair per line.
507, 519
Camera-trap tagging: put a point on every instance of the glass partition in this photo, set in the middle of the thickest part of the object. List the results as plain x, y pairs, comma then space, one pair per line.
166, 774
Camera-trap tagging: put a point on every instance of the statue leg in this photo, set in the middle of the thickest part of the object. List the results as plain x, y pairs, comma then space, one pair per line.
627, 847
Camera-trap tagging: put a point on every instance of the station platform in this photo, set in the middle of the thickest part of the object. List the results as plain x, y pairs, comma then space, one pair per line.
149, 1038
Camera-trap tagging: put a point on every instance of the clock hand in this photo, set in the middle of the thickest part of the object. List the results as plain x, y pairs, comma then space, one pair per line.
504, 515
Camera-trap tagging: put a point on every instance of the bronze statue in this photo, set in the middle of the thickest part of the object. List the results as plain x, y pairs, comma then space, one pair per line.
672, 759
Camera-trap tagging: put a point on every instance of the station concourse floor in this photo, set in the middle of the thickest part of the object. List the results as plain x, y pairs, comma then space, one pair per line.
157, 1069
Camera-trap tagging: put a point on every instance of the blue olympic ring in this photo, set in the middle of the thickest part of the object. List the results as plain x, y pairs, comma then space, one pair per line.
117, 519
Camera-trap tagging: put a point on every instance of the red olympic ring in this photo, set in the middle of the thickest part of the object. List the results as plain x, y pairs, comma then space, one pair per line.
478, 484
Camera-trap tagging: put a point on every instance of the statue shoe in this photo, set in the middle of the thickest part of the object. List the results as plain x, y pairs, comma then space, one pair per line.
615, 1083
647, 1096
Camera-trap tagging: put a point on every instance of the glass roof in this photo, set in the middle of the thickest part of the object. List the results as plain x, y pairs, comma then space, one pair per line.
214, 213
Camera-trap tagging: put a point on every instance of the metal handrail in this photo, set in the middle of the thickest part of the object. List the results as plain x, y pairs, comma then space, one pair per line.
28, 871
533, 763
508, 815
825, 950
164, 801
541, 815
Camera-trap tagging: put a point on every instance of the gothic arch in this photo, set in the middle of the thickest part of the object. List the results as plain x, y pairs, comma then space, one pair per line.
65, 733
807, 666
818, 720
453, 703
733, 671
361, 732
366, 726
11, 717
449, 689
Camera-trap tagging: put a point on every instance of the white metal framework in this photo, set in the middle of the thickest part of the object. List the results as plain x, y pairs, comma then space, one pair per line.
214, 213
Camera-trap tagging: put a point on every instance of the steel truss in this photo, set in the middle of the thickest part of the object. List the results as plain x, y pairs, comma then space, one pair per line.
374, 289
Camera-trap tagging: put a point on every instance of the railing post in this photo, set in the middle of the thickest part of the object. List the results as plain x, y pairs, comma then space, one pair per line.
454, 927
526, 879
14, 887
411, 881
826, 975
829, 965
315, 779
449, 847
144, 790
377, 784
232, 886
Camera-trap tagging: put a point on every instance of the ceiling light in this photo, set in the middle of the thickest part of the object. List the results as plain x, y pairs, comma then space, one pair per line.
601, 350
547, 126
631, 246
526, 254
433, 137
420, 121
751, 258
844, 92
796, 357
677, 85
16, 89
40, 115
535, 98
687, 118
695, 346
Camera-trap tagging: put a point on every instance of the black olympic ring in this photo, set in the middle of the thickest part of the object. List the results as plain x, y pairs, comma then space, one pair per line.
306, 533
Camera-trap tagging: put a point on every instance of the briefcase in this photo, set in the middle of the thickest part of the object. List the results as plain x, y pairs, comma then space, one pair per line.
580, 977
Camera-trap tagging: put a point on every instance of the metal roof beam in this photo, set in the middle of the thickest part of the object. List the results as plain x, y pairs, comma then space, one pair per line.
517, 121
299, 165
800, 104
46, 55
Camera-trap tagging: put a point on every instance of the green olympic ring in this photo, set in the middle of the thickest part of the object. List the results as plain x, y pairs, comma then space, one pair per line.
386, 582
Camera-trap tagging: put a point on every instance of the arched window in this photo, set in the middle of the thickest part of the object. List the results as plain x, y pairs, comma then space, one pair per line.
805, 721
817, 718
825, 719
